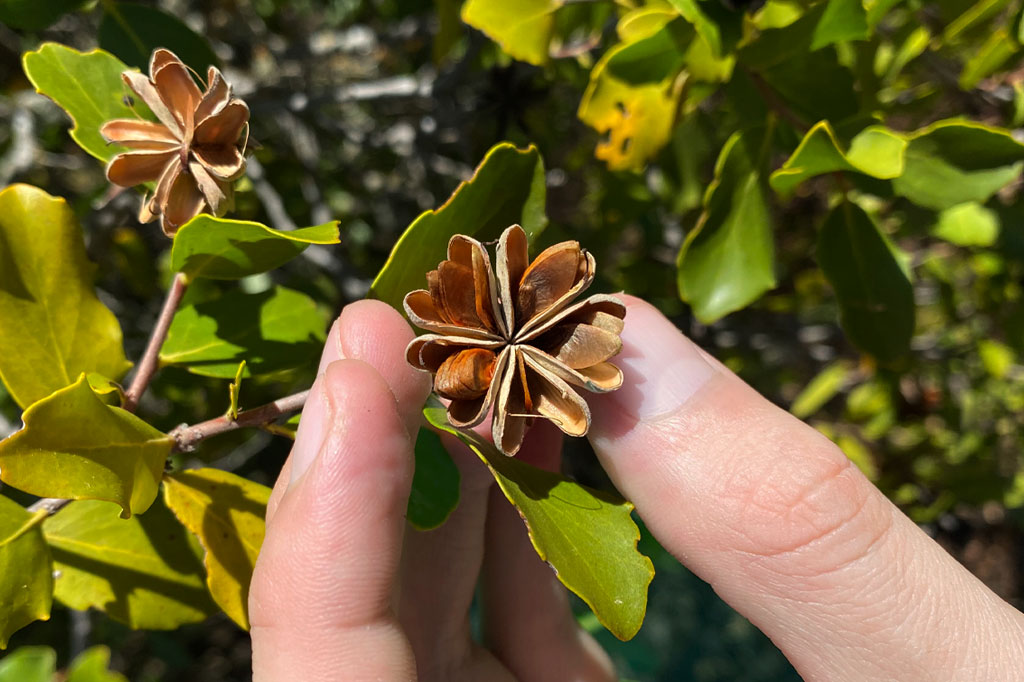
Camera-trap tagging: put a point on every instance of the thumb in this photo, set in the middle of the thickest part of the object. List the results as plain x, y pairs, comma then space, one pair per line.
785, 528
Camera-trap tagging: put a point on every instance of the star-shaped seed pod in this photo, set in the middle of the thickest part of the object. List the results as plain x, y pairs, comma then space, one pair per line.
193, 154
515, 341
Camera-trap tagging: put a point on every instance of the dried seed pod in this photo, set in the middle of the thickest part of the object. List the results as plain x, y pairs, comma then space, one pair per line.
193, 154
513, 340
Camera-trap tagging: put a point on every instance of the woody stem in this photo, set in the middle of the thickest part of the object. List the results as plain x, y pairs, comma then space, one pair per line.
150, 359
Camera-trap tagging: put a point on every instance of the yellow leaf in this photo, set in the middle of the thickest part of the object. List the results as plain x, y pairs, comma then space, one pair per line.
52, 325
75, 446
226, 512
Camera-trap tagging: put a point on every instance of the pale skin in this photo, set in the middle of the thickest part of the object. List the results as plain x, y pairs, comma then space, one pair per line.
758, 504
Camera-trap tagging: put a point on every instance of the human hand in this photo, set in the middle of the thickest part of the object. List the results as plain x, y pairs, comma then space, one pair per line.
761, 506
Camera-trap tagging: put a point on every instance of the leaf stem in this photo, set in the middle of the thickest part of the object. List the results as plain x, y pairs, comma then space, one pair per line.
187, 437
150, 359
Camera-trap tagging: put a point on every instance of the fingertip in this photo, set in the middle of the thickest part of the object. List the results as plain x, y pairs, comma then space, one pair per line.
374, 332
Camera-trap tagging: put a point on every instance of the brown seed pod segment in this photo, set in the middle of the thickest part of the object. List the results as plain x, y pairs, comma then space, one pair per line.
193, 154
512, 338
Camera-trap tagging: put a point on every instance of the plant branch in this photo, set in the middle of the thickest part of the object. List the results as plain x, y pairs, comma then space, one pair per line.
187, 437
148, 364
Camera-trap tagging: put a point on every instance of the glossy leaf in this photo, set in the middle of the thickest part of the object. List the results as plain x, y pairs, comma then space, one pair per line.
145, 572
435, 484
26, 586
35, 15
226, 512
88, 86
876, 300
52, 325
132, 31
93, 665
275, 330
968, 224
523, 29
29, 664
953, 161
728, 259
506, 188
875, 151
217, 248
587, 537
74, 445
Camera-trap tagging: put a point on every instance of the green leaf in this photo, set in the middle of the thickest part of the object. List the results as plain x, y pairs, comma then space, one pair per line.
523, 29
821, 389
145, 572
815, 86
88, 86
953, 161
133, 31
217, 248
506, 188
841, 20
997, 358
719, 27
991, 55
29, 664
820, 26
969, 224
875, 151
93, 665
728, 259
274, 330
653, 58
52, 325
435, 484
226, 512
635, 89
35, 15
26, 586
75, 446
876, 300
586, 536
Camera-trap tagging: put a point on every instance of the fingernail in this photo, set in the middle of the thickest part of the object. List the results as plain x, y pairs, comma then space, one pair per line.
332, 348
313, 427
662, 368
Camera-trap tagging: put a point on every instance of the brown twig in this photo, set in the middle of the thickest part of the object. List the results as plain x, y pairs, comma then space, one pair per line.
148, 363
187, 437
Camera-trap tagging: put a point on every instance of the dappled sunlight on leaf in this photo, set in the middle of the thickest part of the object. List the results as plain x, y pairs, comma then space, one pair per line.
226, 512
145, 572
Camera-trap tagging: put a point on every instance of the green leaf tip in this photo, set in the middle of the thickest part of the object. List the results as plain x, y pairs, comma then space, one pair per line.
219, 248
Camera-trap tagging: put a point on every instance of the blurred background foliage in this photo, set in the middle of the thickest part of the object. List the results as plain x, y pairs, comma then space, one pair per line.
372, 111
